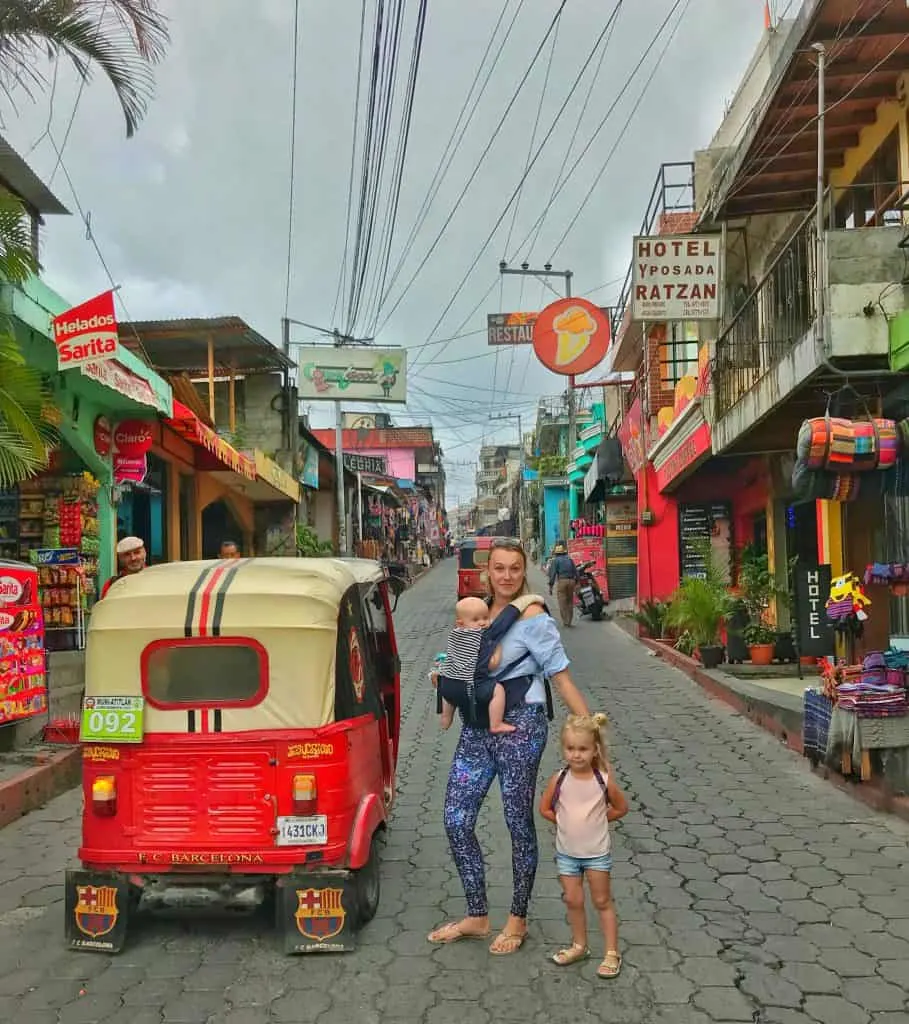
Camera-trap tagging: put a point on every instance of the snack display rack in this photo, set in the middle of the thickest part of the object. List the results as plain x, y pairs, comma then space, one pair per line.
23, 672
52, 522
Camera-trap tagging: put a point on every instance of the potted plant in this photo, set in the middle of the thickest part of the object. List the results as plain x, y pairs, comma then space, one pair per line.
759, 590
698, 609
761, 641
651, 618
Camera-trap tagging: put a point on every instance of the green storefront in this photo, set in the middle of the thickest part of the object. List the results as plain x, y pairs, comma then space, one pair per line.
81, 473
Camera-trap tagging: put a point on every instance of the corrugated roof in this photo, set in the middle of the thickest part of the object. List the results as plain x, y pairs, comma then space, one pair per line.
182, 345
22, 180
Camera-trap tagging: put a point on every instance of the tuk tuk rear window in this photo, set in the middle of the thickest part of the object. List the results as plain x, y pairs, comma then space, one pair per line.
204, 672
473, 558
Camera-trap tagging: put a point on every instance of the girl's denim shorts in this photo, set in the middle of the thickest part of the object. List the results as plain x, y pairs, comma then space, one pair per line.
575, 866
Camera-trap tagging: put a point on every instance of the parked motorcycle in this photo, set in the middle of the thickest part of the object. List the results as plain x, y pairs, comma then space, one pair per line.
590, 597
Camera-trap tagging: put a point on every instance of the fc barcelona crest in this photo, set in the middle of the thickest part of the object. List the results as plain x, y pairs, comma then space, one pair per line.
320, 913
357, 669
96, 910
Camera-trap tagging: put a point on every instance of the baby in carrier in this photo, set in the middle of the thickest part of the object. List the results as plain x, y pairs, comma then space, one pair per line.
472, 654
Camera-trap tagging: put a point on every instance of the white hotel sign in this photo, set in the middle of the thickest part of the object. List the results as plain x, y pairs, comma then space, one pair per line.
677, 277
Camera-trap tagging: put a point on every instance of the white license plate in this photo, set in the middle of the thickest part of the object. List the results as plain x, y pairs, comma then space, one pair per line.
303, 831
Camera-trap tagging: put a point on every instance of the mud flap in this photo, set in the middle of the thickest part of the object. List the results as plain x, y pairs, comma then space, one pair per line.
97, 911
317, 911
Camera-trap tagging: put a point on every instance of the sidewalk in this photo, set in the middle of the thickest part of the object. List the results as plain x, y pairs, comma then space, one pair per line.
775, 704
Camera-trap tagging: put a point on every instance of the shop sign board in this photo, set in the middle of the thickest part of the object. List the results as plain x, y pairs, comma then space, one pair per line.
376, 465
308, 466
363, 374
103, 436
684, 456
812, 588
269, 471
132, 441
676, 277
510, 328
711, 522
87, 333
631, 437
112, 374
571, 336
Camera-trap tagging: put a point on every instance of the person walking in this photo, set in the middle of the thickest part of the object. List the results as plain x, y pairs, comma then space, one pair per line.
563, 576
531, 648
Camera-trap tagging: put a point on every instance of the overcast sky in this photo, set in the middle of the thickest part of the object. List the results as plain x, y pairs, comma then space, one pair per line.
191, 215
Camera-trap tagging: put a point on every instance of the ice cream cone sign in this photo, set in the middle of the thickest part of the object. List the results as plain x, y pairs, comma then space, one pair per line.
571, 336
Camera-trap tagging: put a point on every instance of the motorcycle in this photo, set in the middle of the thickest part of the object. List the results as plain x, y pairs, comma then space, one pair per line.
590, 597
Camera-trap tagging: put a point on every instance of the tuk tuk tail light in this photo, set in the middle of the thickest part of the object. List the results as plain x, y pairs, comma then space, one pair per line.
304, 794
104, 796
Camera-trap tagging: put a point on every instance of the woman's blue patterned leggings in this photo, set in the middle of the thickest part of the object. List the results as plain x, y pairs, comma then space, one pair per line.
515, 758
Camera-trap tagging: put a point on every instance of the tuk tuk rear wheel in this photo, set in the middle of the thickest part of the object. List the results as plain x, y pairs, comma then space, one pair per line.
368, 885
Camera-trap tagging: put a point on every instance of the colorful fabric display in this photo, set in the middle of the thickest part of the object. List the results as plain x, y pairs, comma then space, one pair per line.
849, 446
815, 724
871, 694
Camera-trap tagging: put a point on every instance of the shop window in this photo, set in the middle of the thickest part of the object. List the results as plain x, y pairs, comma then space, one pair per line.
211, 671
678, 354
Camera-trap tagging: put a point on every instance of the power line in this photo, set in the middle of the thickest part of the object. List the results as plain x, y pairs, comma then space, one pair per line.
353, 159
536, 156
293, 156
478, 164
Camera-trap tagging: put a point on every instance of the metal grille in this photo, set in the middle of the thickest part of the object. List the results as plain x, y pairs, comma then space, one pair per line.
771, 321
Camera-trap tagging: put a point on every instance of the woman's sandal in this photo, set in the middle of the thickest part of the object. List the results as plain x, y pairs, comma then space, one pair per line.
611, 965
506, 943
445, 934
572, 955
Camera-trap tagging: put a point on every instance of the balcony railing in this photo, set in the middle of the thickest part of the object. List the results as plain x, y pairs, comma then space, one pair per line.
770, 322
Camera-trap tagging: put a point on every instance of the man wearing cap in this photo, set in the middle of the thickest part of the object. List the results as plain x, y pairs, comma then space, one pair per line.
131, 559
563, 575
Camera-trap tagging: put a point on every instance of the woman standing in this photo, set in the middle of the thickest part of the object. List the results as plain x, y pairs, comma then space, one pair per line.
514, 757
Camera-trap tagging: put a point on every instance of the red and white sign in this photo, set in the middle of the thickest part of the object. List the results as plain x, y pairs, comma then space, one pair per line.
11, 590
103, 436
684, 456
116, 377
87, 333
132, 441
676, 277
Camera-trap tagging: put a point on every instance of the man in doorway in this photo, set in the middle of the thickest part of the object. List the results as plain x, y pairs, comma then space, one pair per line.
563, 575
131, 558
229, 549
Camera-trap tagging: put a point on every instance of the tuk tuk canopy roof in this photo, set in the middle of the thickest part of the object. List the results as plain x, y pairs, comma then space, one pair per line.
289, 606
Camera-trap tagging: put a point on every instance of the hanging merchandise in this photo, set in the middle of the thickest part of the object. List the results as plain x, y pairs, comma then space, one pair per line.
23, 678
846, 608
894, 575
848, 446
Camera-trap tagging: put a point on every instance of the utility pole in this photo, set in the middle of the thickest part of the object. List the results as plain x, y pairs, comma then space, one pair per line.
517, 416
526, 270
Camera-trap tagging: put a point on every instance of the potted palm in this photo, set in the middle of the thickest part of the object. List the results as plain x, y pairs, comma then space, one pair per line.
698, 609
759, 590
651, 617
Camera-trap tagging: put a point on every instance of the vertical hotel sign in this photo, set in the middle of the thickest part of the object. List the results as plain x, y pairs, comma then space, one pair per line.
87, 333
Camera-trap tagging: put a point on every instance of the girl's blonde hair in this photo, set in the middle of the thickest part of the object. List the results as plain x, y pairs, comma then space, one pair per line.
591, 726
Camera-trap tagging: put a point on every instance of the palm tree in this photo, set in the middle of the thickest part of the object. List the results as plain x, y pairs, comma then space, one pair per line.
25, 436
123, 37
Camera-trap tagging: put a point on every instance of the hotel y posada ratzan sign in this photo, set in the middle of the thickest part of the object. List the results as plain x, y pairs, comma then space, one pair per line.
87, 333
363, 374
677, 277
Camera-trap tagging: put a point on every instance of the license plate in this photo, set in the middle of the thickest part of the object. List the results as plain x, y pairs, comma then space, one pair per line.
303, 831
587, 594
112, 720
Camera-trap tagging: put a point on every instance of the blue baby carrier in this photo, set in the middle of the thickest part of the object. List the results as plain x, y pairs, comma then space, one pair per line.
472, 698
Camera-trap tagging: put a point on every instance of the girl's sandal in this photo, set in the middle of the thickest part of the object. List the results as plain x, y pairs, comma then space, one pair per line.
611, 965
506, 943
571, 955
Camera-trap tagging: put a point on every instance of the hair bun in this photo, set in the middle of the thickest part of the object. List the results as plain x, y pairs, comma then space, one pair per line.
599, 720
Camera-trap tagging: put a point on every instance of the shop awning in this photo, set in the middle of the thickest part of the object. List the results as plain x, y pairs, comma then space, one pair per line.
192, 429
685, 445
607, 468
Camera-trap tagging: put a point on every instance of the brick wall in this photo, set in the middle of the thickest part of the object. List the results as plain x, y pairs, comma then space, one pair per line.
658, 396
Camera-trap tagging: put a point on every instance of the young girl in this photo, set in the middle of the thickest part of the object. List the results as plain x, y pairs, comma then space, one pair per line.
581, 800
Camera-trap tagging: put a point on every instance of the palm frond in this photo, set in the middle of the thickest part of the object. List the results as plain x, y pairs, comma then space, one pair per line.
124, 46
25, 434
17, 262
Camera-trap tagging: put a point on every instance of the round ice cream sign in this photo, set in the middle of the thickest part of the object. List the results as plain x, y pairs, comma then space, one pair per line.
571, 336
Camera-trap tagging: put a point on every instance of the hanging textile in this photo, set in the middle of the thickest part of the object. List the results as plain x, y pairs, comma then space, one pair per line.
849, 446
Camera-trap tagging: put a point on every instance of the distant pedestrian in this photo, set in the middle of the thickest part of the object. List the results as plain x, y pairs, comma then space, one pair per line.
581, 800
563, 576
229, 549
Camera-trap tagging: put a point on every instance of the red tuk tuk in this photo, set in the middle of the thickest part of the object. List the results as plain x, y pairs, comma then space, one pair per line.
239, 729
473, 557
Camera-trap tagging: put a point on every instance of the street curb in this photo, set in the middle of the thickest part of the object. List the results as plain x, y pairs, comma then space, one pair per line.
777, 721
36, 786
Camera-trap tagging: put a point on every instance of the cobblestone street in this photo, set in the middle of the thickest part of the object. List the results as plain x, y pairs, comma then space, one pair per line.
747, 889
